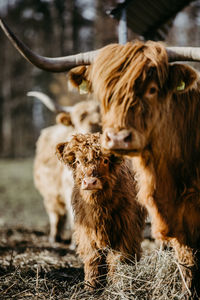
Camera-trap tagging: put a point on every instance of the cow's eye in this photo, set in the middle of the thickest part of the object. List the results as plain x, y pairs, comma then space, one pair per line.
78, 162
152, 90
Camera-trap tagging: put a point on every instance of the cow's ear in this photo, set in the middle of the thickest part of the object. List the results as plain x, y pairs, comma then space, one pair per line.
64, 154
64, 118
78, 77
181, 78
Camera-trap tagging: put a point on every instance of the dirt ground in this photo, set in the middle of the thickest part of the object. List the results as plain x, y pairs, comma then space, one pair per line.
31, 268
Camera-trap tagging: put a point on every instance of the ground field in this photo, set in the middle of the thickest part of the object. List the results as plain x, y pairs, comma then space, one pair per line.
30, 268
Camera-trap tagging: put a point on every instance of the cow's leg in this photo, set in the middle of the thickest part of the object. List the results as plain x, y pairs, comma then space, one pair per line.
189, 261
56, 211
95, 269
70, 216
53, 220
68, 183
57, 224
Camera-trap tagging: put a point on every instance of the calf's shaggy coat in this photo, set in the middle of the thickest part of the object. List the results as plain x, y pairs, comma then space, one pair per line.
108, 220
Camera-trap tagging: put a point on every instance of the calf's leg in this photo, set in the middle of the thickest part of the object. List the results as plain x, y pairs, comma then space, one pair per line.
95, 269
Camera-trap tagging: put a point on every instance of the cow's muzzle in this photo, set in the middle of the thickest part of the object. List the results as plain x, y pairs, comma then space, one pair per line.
117, 140
91, 183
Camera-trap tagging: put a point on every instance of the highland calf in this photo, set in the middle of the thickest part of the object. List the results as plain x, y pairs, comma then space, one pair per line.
108, 220
54, 182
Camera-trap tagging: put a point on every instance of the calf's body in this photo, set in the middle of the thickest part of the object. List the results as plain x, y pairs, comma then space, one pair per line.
109, 221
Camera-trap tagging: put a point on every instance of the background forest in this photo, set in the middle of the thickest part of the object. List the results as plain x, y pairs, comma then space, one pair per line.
51, 28
54, 28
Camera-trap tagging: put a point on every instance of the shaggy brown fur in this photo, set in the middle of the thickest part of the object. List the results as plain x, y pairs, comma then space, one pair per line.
158, 104
108, 220
54, 182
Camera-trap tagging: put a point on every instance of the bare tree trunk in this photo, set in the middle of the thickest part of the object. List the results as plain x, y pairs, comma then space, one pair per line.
7, 114
1, 122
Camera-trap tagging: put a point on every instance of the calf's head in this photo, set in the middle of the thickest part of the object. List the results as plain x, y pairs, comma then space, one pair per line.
93, 171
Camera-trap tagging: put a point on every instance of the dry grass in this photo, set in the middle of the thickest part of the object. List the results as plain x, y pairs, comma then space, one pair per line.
155, 277
32, 269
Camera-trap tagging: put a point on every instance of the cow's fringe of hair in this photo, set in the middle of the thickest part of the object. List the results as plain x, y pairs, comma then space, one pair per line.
118, 67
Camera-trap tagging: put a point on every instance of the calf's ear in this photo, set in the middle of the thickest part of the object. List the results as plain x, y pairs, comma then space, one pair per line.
64, 118
181, 78
64, 154
78, 77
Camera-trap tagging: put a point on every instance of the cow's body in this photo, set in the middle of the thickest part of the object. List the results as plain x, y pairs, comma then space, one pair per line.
151, 111
108, 220
54, 182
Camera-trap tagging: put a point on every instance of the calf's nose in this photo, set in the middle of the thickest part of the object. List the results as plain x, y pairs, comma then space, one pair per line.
91, 183
117, 140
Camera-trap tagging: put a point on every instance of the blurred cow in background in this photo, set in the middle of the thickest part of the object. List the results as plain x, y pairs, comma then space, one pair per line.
54, 182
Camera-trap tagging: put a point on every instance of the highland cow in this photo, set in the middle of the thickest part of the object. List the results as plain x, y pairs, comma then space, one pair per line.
108, 220
151, 112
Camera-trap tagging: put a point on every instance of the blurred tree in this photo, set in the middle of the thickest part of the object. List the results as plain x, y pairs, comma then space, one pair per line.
54, 28
49, 28
103, 36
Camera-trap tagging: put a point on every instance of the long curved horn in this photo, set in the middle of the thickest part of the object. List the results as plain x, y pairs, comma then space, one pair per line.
62, 64
183, 53
58, 64
49, 103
